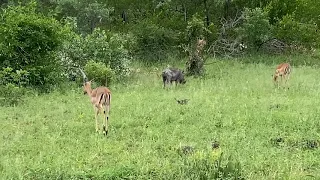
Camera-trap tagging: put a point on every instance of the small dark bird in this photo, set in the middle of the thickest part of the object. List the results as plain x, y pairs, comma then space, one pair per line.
215, 145
182, 101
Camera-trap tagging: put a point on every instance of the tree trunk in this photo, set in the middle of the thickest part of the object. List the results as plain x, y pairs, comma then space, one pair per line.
124, 16
226, 9
207, 12
185, 12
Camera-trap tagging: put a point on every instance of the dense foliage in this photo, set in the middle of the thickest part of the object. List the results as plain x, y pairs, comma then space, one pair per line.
29, 41
99, 72
49, 40
107, 48
256, 28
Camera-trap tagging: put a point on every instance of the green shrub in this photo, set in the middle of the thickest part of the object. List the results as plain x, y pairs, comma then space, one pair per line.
18, 77
12, 85
107, 48
277, 9
297, 33
11, 94
29, 41
255, 29
154, 42
99, 72
196, 28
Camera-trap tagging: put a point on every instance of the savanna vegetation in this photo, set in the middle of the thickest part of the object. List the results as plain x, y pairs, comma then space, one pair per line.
235, 124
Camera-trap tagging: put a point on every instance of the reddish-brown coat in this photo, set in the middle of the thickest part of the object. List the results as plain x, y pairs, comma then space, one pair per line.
100, 98
283, 70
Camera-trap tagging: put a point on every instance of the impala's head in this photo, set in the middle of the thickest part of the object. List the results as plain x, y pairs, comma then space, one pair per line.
86, 87
181, 79
86, 83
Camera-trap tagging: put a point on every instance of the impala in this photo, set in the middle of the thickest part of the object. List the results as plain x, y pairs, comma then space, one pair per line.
283, 70
100, 98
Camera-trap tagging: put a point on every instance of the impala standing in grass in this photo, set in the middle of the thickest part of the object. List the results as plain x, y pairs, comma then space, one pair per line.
100, 98
283, 70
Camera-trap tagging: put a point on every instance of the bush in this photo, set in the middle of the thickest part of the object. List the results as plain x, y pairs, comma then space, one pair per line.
278, 9
28, 41
196, 29
100, 73
12, 86
19, 77
255, 29
154, 42
11, 94
107, 48
297, 33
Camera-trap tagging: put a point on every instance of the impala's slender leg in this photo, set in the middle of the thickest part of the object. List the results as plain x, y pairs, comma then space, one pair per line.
278, 82
107, 112
106, 115
96, 113
275, 82
286, 81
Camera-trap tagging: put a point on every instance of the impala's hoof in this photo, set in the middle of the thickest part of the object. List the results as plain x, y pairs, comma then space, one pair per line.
105, 130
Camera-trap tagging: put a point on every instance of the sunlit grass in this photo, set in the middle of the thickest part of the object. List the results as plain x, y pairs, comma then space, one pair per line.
236, 104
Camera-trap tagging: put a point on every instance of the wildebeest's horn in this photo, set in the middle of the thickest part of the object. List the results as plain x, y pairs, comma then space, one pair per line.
85, 79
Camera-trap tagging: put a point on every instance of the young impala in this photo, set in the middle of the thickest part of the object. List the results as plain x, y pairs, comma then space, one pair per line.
283, 70
100, 98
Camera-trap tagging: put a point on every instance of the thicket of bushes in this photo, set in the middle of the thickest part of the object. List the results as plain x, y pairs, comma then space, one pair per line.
37, 51
46, 49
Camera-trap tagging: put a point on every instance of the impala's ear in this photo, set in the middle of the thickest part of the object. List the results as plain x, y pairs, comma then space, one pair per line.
85, 79
92, 80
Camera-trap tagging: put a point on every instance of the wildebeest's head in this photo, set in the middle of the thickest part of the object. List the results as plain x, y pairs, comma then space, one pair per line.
181, 79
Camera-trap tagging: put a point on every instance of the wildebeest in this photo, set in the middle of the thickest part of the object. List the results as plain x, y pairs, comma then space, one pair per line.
173, 74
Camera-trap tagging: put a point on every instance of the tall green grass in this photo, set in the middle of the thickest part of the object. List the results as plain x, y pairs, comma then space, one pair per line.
269, 133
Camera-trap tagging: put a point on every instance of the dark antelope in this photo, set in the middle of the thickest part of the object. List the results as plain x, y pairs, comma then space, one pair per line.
172, 74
